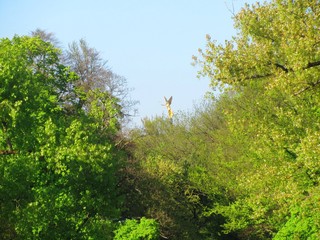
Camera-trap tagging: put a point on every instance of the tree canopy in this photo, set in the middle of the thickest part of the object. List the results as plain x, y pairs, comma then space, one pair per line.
242, 165
58, 168
248, 160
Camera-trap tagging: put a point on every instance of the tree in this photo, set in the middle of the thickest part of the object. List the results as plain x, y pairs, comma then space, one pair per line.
276, 41
32, 89
46, 36
272, 66
175, 177
94, 74
58, 170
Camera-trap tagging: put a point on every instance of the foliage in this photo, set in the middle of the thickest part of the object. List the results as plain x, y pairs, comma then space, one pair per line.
134, 230
242, 166
32, 85
249, 161
58, 168
174, 181
301, 224
272, 69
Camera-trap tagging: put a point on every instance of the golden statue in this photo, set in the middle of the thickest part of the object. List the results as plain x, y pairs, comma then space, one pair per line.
168, 103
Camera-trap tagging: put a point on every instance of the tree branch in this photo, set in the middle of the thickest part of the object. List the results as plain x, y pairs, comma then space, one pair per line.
286, 70
307, 87
7, 152
259, 76
313, 64
282, 67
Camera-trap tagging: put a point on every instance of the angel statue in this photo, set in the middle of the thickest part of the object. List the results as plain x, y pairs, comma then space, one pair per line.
168, 103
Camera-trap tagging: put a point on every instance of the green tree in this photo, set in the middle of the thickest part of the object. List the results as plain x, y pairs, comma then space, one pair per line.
272, 66
58, 170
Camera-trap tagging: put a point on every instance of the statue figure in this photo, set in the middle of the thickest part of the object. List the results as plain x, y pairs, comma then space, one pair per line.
168, 103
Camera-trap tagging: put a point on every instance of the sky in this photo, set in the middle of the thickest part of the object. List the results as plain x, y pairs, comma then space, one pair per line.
149, 42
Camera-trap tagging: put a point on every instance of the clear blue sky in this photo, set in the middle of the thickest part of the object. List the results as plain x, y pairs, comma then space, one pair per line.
149, 42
